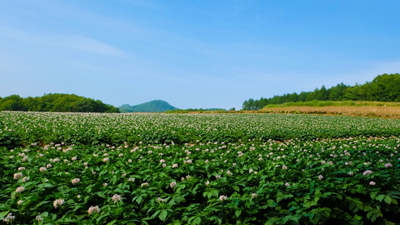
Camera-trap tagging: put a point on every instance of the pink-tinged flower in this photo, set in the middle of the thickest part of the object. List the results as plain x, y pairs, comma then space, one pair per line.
253, 195
217, 176
93, 209
320, 177
222, 198
25, 179
234, 164
75, 181
251, 170
229, 173
367, 172
131, 179
74, 158
21, 168
387, 165
42, 169
287, 184
351, 173
372, 183
105, 159
39, 218
58, 202
172, 184
284, 167
20, 202
160, 200
208, 182
145, 184
116, 198
255, 172
162, 161
17, 176
9, 218
105, 185
49, 166
121, 155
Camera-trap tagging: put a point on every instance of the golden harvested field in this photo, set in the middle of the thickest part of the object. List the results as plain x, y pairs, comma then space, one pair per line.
365, 111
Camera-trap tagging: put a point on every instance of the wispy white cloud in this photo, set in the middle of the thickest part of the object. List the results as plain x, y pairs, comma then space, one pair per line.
89, 45
74, 42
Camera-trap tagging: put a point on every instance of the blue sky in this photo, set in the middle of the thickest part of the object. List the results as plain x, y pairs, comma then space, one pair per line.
193, 54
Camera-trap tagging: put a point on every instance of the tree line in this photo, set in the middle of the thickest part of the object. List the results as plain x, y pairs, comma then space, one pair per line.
385, 88
55, 103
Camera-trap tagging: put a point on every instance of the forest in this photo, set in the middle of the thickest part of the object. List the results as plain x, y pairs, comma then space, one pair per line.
55, 103
384, 88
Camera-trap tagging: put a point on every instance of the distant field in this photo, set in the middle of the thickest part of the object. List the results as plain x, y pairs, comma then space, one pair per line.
348, 108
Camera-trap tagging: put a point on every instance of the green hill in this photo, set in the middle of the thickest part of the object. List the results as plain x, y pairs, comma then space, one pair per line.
152, 106
55, 103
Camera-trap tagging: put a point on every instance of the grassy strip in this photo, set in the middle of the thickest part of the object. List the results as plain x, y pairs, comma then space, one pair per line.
316, 103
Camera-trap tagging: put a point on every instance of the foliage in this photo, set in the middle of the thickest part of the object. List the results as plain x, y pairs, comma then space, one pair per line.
90, 168
348, 181
152, 106
383, 88
55, 103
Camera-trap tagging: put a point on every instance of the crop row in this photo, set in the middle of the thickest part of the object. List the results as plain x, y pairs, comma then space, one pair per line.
19, 128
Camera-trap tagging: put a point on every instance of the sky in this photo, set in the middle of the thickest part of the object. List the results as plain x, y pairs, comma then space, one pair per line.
193, 54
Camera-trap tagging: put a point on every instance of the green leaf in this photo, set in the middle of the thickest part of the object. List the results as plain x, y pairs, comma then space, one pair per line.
271, 203
139, 199
279, 197
101, 195
112, 222
163, 215
315, 219
197, 220
238, 212
388, 199
3, 214
357, 217
215, 193
373, 218
47, 185
13, 194
155, 214
380, 198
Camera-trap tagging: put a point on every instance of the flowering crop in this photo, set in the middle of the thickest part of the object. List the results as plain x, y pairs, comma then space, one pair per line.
350, 180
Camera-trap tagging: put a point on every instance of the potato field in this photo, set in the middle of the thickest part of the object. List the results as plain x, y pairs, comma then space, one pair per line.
87, 168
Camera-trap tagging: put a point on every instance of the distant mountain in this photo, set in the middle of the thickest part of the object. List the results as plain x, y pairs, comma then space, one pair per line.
152, 106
